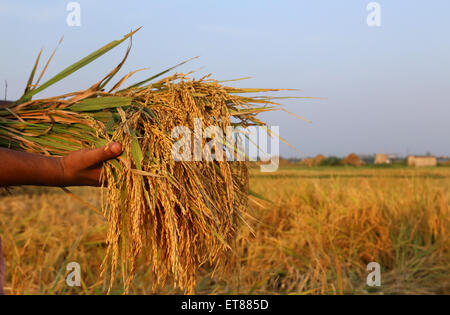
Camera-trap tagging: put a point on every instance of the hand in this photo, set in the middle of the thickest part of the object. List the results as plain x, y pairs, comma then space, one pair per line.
83, 167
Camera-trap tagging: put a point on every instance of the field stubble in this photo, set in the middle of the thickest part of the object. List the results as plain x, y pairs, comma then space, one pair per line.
315, 235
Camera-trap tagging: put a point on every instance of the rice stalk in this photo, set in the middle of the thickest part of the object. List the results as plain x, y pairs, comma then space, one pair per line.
171, 216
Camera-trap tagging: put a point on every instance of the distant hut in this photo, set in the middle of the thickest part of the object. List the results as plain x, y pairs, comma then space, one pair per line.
416, 160
381, 158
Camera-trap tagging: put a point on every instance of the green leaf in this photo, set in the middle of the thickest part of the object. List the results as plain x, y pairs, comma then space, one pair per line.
136, 151
76, 66
99, 103
150, 113
33, 72
256, 195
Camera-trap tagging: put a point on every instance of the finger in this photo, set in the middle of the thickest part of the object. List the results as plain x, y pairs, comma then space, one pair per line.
102, 154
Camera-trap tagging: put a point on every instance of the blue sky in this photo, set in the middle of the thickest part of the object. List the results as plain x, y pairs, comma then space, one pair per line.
386, 88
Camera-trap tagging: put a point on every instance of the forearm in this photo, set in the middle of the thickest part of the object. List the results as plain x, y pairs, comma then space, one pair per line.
5, 103
21, 168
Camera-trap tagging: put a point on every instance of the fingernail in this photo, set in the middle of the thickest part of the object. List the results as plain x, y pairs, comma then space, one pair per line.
115, 148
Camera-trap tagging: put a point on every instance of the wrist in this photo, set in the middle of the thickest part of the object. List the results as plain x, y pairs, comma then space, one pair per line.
59, 172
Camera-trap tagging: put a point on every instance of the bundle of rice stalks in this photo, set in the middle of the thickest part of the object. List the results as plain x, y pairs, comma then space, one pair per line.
173, 216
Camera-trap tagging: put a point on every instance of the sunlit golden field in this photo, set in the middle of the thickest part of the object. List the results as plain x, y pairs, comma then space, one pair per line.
315, 235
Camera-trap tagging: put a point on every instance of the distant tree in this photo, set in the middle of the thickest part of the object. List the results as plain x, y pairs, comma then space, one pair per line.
368, 159
306, 162
444, 163
352, 159
283, 161
400, 162
318, 159
315, 161
331, 161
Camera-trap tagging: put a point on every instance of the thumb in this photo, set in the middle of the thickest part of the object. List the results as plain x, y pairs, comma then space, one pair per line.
103, 154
